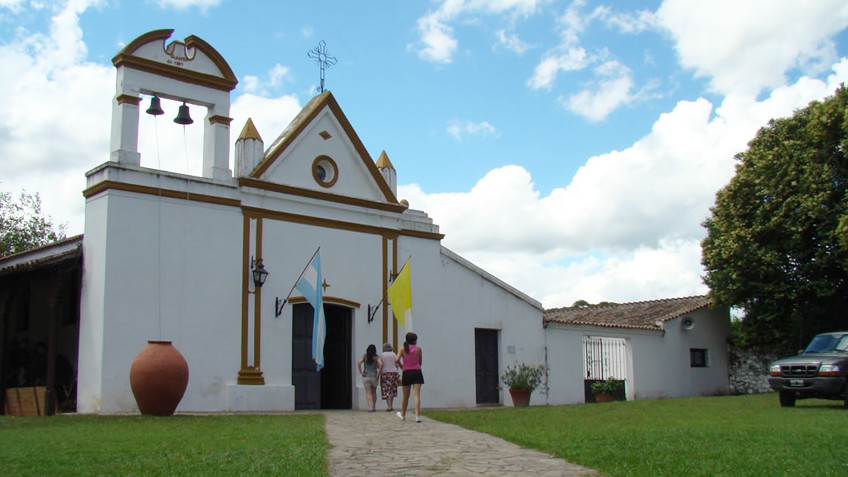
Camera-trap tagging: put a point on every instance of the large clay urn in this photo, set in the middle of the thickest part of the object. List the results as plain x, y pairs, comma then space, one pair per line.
158, 377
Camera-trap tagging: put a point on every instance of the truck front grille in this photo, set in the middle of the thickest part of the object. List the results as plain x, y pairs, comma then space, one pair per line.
799, 371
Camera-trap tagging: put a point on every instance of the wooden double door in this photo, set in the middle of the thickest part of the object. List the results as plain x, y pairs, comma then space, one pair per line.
330, 388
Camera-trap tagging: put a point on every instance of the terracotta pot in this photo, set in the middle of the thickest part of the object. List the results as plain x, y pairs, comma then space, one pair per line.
520, 397
158, 377
604, 397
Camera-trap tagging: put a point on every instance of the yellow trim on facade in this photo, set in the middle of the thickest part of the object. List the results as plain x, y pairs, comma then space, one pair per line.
326, 100
218, 119
383, 161
173, 72
394, 275
249, 131
101, 187
316, 194
146, 38
245, 374
327, 299
257, 303
226, 82
219, 61
336, 224
128, 99
384, 284
329, 161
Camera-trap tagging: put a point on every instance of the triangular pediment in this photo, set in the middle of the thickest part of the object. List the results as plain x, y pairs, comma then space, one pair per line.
319, 152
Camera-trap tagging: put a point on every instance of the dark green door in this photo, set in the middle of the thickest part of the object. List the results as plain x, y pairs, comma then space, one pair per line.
486, 366
331, 387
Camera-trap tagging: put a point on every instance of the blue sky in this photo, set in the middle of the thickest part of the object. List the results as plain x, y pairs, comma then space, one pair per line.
571, 148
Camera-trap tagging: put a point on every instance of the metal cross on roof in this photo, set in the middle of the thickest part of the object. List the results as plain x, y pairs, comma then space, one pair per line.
319, 54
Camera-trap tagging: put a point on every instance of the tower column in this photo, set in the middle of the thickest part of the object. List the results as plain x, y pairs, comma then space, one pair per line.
216, 148
124, 145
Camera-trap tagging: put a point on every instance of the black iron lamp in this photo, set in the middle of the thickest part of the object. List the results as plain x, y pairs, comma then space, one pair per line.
259, 274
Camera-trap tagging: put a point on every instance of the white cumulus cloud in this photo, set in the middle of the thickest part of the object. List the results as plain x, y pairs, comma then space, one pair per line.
568, 59
611, 90
461, 128
743, 47
438, 43
628, 226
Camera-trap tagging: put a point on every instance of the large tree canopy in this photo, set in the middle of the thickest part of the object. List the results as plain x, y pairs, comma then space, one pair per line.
22, 225
777, 239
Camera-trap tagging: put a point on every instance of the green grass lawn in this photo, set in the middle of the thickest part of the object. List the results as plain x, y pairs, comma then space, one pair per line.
293, 445
729, 435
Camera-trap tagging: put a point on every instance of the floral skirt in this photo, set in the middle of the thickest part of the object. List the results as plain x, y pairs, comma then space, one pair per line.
388, 385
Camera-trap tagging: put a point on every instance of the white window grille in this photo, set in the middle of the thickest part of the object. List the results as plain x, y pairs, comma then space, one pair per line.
604, 357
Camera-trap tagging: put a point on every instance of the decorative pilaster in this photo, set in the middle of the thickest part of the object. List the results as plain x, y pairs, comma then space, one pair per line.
251, 373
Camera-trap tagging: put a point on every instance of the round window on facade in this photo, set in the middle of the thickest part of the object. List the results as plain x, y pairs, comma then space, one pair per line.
324, 171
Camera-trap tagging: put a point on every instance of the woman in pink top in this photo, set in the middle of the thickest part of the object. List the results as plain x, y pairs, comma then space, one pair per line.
410, 360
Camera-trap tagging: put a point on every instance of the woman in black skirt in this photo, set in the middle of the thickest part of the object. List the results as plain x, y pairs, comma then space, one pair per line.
410, 360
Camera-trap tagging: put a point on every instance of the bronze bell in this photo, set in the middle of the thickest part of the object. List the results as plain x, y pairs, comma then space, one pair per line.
155, 108
182, 116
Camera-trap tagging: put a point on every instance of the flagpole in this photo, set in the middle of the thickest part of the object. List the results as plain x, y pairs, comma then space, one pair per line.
377, 306
408, 259
278, 305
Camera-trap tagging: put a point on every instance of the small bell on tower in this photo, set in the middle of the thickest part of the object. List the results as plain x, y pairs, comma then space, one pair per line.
182, 116
155, 108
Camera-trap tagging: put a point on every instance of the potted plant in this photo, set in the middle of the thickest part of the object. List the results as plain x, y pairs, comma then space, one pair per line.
522, 379
605, 390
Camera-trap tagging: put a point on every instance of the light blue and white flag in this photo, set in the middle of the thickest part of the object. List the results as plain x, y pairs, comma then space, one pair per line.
310, 286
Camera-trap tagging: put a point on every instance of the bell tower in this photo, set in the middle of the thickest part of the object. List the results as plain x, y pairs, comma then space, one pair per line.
191, 72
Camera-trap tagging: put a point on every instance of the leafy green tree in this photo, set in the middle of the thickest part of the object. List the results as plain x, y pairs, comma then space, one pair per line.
22, 225
585, 304
777, 239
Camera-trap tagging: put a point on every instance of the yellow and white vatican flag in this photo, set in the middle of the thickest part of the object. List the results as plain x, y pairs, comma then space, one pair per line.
400, 297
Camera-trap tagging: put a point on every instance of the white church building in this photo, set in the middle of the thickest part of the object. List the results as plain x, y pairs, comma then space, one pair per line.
169, 257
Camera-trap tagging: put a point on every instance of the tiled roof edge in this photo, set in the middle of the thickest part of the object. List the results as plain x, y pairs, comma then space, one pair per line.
658, 300
33, 257
603, 325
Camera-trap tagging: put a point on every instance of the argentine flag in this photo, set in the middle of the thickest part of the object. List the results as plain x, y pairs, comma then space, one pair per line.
310, 286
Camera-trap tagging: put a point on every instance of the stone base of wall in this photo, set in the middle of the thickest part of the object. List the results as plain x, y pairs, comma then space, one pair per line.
749, 371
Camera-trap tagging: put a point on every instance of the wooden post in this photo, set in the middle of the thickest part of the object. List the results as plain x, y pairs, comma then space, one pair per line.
55, 289
4, 303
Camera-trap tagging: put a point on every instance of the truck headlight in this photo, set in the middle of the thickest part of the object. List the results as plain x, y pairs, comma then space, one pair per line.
774, 370
829, 370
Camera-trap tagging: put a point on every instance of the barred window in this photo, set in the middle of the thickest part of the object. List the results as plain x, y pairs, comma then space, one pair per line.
699, 358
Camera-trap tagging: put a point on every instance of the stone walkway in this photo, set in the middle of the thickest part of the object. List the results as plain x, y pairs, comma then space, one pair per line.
380, 444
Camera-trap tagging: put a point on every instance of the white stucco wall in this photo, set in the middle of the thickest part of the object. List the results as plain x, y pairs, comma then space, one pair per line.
158, 268
711, 330
450, 301
658, 363
161, 268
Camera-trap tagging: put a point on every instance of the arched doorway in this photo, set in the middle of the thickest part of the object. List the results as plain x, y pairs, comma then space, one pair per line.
330, 388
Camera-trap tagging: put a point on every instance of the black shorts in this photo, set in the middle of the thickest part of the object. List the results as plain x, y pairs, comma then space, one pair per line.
413, 376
